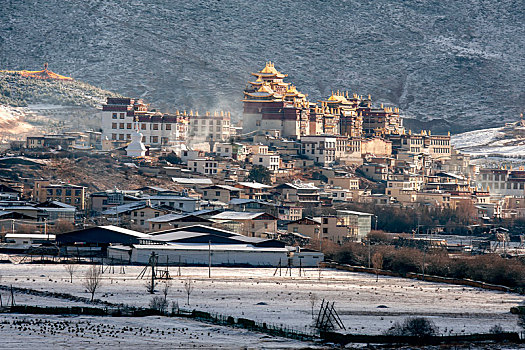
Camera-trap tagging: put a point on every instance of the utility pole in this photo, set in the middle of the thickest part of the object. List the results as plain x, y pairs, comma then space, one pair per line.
209, 259
369, 252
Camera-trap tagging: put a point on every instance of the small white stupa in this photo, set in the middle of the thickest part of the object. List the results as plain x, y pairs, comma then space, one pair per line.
136, 148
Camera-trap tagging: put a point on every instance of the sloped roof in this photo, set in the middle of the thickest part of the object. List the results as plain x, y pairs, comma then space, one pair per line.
178, 217
55, 204
120, 209
102, 235
238, 201
237, 215
192, 181
254, 185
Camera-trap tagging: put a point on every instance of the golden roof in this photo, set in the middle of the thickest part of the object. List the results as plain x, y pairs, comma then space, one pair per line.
265, 88
269, 71
45, 74
337, 98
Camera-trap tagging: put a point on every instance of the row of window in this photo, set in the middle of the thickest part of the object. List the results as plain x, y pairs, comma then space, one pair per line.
66, 200
142, 126
59, 191
217, 122
509, 185
115, 115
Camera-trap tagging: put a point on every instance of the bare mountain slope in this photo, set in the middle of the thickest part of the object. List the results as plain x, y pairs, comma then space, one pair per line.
460, 61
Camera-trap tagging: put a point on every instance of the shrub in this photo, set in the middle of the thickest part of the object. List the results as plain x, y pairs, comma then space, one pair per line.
420, 327
158, 303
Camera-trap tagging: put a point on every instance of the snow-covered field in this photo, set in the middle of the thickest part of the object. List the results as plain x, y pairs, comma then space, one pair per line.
365, 306
494, 145
83, 332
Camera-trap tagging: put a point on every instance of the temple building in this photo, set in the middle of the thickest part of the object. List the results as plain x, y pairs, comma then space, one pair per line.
380, 121
272, 105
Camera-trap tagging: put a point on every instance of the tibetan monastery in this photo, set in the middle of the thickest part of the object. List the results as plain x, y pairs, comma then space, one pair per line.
273, 106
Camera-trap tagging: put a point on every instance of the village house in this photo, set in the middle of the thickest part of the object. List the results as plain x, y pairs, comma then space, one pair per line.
326, 228
253, 205
55, 211
169, 221
221, 193
359, 223
100, 201
320, 148
44, 190
134, 215
301, 193
63, 142
251, 224
254, 190
174, 202
374, 171
271, 161
204, 166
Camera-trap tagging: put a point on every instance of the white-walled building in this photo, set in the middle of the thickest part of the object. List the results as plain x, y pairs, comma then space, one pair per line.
270, 160
204, 166
119, 115
210, 127
320, 148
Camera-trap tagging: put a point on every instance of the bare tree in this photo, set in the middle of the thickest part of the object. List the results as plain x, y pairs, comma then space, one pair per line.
160, 303
165, 290
70, 268
377, 263
188, 286
313, 300
63, 226
93, 279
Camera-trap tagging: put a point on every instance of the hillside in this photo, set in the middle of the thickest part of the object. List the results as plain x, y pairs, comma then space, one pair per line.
460, 64
504, 144
19, 91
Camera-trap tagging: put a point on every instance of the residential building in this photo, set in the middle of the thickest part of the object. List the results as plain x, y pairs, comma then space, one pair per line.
44, 191
301, 193
221, 193
170, 221
251, 224
359, 223
210, 127
320, 148
204, 166
134, 215
271, 161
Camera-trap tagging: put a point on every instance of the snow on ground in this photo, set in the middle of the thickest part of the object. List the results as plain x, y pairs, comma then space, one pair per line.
365, 306
475, 138
84, 332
